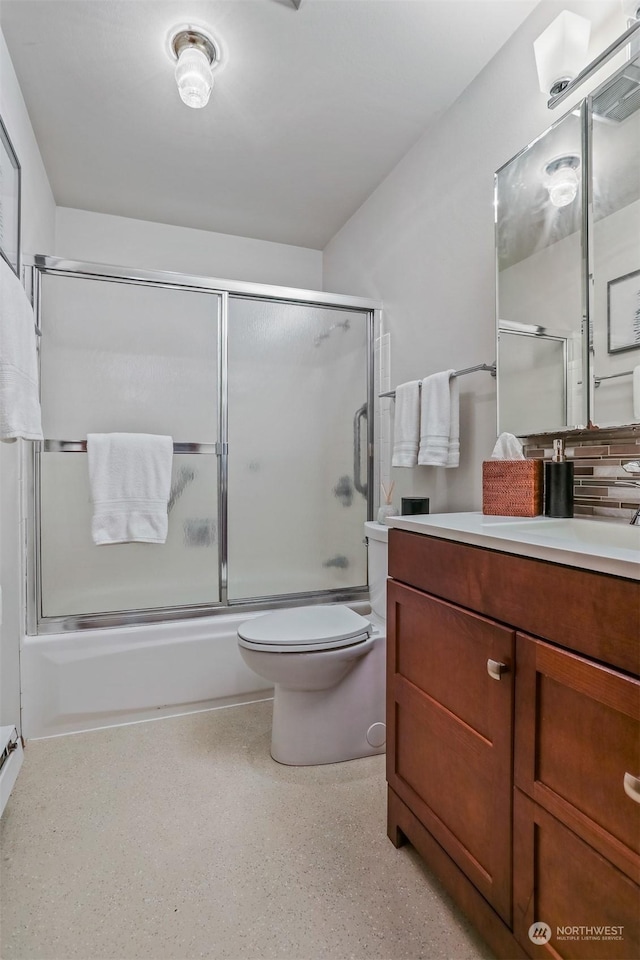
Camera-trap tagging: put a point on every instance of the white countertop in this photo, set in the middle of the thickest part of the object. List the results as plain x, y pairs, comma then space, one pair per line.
605, 546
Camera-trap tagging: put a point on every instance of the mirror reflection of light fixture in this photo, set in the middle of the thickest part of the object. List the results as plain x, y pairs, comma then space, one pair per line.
196, 54
561, 179
561, 51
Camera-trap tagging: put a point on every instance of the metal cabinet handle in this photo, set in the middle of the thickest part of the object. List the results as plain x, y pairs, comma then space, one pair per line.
496, 669
632, 786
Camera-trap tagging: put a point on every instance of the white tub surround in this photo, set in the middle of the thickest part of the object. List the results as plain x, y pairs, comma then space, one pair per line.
89, 679
73, 682
606, 547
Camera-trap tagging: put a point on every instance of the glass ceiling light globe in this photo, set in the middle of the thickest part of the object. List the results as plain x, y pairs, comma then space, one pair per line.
195, 54
562, 180
194, 77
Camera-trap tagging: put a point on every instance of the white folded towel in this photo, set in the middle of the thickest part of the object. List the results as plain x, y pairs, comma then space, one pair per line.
130, 479
440, 421
406, 425
19, 402
636, 393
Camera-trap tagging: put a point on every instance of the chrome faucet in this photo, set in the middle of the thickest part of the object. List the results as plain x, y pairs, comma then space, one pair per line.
633, 467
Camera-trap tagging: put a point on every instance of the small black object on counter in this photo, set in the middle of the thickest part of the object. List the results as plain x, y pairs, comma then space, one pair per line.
411, 506
558, 483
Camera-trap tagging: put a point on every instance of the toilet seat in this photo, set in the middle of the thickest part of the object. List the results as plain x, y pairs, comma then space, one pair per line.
304, 630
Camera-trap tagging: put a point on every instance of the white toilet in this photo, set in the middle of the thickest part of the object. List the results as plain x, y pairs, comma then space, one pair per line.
328, 667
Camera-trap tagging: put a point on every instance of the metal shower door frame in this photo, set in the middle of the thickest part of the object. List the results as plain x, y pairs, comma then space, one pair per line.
36, 623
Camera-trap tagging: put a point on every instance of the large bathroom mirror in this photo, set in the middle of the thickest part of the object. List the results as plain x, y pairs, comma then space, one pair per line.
540, 297
568, 268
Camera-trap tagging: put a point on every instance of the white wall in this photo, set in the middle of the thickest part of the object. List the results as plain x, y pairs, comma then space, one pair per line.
38, 226
423, 243
102, 238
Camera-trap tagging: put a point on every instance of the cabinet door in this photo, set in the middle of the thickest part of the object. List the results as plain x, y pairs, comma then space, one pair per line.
578, 747
590, 906
449, 743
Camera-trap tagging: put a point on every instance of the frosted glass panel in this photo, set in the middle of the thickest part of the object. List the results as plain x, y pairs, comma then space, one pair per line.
128, 357
79, 577
297, 376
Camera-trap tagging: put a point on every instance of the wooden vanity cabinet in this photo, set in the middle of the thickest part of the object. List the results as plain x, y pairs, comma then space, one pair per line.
450, 756
576, 828
507, 752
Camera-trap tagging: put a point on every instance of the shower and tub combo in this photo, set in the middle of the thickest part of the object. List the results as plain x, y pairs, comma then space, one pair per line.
267, 393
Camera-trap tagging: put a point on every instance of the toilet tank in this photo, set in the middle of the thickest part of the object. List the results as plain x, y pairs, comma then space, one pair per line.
377, 535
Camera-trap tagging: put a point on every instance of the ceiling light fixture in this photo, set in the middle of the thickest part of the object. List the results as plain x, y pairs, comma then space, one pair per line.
561, 179
561, 51
196, 54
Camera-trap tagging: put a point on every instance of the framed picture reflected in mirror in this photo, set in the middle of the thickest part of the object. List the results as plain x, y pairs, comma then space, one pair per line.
623, 313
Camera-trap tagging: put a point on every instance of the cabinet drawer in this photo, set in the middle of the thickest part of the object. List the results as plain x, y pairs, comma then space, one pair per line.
561, 881
449, 743
593, 613
577, 735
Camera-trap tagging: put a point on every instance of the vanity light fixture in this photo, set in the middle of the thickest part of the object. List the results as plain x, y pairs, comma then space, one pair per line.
561, 51
561, 179
196, 54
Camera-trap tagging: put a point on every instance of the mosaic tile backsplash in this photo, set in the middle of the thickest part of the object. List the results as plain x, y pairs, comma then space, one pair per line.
598, 456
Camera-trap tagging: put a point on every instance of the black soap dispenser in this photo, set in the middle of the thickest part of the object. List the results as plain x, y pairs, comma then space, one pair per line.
558, 484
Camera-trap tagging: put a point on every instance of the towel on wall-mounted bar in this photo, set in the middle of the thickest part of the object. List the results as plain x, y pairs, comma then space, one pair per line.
440, 421
406, 426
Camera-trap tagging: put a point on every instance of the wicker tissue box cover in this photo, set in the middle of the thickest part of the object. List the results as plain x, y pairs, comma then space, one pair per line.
512, 488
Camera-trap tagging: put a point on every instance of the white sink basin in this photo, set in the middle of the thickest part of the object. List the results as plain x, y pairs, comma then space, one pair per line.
584, 532
605, 546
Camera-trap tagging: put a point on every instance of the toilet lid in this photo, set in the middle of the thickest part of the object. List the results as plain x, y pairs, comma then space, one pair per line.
306, 627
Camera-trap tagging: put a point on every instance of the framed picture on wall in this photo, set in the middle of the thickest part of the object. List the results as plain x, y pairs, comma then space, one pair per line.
623, 313
10, 181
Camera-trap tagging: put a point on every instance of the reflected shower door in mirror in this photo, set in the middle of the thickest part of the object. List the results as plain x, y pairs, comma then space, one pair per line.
541, 283
615, 306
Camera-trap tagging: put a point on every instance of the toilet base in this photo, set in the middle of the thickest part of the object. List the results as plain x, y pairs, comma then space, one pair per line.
329, 726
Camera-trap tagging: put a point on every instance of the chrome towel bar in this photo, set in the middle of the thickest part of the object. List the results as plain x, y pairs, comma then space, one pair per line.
489, 367
612, 376
80, 446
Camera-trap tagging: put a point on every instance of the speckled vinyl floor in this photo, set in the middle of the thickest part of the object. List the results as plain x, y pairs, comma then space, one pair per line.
182, 838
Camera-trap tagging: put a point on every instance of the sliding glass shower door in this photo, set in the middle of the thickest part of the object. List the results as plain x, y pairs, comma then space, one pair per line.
127, 357
267, 402
297, 500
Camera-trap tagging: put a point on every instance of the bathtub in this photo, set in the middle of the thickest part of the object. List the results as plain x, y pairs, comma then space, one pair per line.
73, 682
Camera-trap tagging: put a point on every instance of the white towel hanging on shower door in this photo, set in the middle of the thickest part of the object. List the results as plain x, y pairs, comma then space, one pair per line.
130, 478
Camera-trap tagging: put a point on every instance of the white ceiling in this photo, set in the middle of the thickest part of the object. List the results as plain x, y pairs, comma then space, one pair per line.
309, 112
